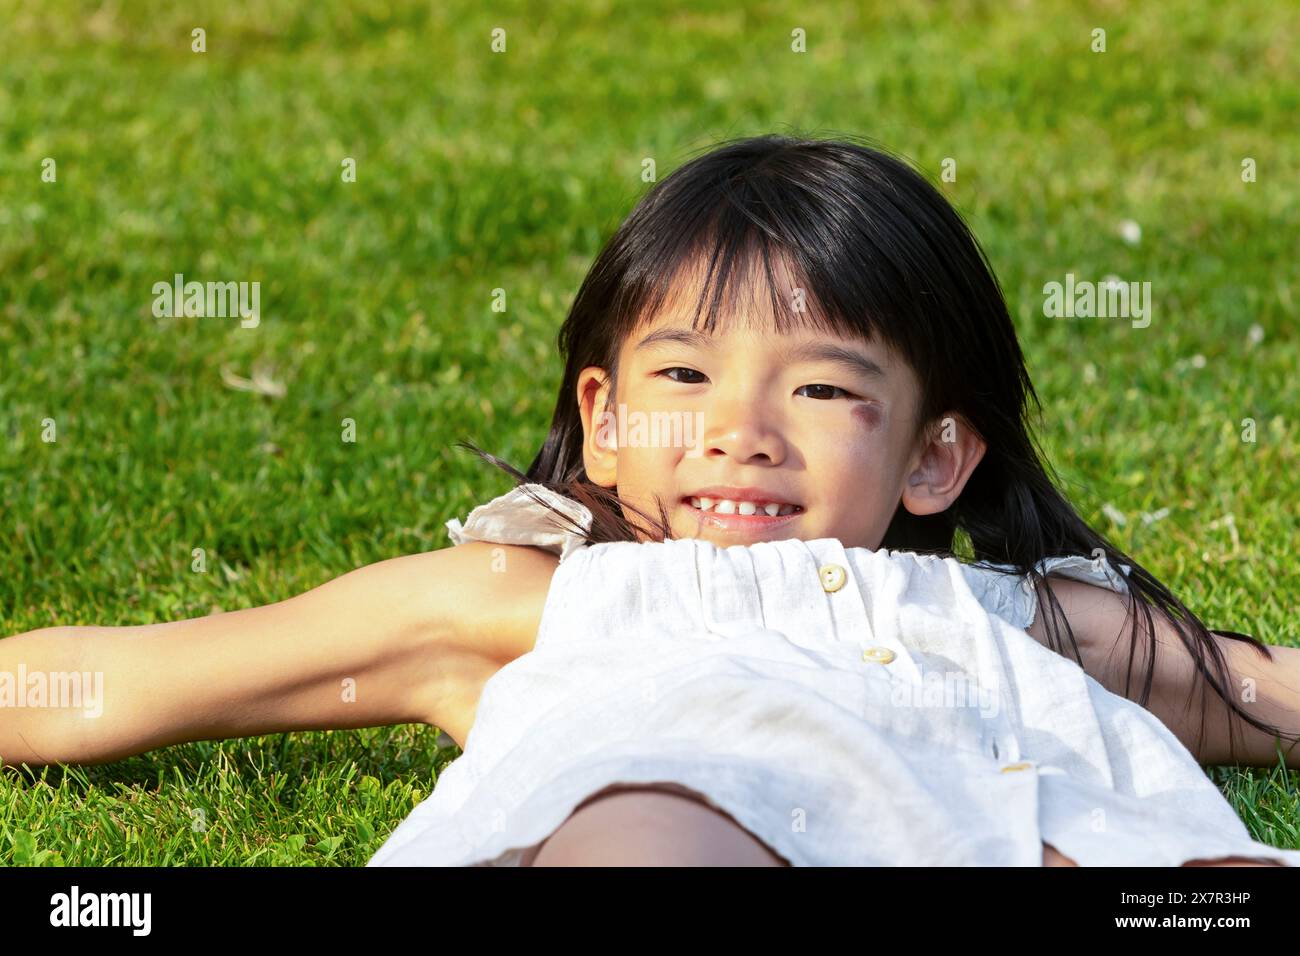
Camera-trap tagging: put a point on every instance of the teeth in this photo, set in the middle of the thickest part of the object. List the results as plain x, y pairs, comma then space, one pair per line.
725, 506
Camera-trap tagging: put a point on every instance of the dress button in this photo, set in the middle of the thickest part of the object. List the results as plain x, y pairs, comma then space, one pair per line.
833, 577
1023, 765
878, 655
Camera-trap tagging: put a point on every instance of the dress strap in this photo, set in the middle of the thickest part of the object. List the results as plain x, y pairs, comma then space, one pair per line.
1097, 570
518, 518
1015, 599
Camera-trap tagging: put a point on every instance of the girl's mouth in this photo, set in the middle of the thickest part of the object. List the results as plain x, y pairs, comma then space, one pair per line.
731, 518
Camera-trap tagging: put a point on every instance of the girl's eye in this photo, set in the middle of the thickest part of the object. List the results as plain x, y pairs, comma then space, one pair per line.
833, 388
688, 371
667, 373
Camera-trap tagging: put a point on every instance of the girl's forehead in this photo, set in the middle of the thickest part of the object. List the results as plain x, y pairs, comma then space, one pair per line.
764, 306
745, 297
676, 329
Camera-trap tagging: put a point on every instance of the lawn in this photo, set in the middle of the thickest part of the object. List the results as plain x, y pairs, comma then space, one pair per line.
478, 171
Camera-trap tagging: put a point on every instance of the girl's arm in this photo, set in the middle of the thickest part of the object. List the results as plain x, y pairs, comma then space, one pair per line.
394, 642
1269, 690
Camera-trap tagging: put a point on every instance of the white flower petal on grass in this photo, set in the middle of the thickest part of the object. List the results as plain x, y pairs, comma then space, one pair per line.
1230, 522
1130, 232
1114, 514
1151, 517
261, 383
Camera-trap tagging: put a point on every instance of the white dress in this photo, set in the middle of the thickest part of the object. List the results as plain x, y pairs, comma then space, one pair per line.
846, 706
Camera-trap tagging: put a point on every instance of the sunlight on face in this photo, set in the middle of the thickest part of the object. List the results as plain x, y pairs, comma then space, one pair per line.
822, 423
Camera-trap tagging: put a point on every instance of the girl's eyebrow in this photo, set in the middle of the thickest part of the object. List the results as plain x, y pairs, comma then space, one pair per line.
836, 355
807, 352
688, 337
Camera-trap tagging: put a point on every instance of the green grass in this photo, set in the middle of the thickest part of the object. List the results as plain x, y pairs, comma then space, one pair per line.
479, 171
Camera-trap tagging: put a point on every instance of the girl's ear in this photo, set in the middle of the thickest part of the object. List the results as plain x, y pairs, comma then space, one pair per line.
599, 427
949, 452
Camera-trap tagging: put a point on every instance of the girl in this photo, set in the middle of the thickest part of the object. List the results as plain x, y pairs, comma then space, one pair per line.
761, 648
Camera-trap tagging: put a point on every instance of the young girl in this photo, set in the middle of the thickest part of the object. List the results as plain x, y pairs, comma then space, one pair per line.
752, 643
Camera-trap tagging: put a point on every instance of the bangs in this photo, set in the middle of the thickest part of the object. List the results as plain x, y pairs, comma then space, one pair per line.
735, 276
813, 240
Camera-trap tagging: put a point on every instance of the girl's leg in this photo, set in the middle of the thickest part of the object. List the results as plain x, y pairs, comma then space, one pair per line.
651, 825
1052, 857
1232, 861
669, 825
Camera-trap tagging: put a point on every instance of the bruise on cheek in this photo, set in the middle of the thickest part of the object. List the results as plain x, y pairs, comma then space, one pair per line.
869, 415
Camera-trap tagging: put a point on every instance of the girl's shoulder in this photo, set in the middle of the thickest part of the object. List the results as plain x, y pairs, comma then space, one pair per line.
1012, 595
526, 515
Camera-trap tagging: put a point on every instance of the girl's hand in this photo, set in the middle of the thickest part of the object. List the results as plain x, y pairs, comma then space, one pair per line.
1269, 690
407, 640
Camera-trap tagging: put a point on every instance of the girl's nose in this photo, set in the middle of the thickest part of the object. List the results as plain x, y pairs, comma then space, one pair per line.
742, 432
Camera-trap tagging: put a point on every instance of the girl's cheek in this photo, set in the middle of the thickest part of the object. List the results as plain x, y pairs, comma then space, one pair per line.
868, 416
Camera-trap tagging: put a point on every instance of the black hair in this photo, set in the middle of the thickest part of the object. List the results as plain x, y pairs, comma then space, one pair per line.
882, 256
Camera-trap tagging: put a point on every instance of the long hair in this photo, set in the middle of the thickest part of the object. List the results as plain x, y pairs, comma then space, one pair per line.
881, 255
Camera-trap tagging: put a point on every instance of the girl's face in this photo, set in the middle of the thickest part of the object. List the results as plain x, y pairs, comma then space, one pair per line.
757, 421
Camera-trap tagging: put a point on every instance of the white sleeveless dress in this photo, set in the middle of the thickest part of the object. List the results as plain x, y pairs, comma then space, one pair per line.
846, 706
